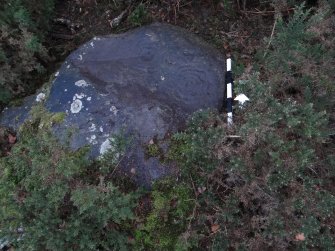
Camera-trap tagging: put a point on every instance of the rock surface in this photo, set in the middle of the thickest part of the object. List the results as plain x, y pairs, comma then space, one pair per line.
145, 82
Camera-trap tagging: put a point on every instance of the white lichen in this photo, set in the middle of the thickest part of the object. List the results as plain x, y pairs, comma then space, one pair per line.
81, 83
92, 139
101, 129
89, 98
92, 128
79, 96
76, 106
80, 57
114, 110
65, 90
108, 145
40, 97
92, 44
57, 74
162, 78
105, 146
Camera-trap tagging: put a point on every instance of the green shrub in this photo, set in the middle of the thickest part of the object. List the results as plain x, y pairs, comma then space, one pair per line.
270, 187
22, 55
172, 205
59, 199
139, 16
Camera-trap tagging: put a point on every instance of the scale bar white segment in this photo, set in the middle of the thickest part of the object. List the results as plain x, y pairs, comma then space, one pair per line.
229, 90
229, 64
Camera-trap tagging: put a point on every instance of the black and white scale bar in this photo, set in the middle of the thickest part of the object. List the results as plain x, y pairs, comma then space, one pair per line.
229, 88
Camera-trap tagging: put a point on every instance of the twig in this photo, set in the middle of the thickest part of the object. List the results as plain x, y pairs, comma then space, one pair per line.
117, 165
116, 21
195, 205
62, 36
271, 37
265, 12
66, 22
232, 136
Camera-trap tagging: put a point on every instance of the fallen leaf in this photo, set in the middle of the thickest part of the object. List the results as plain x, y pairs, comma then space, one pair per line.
215, 228
300, 237
151, 142
201, 189
11, 139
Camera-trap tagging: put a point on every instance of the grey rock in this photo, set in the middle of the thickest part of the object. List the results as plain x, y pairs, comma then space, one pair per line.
146, 83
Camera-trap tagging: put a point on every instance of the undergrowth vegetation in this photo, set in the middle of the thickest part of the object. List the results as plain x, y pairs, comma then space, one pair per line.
267, 183
55, 199
23, 58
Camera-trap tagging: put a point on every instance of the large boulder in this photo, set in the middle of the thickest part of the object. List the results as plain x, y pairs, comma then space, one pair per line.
145, 82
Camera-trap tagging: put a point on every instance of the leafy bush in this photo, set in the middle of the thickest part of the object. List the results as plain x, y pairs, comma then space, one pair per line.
22, 55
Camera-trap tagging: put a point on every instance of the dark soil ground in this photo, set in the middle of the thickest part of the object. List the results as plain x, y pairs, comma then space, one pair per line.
231, 29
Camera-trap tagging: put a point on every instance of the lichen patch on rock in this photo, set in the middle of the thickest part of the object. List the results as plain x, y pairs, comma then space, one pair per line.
76, 106
40, 97
81, 83
105, 146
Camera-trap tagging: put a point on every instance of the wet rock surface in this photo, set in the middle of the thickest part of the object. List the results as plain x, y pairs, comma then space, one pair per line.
146, 83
